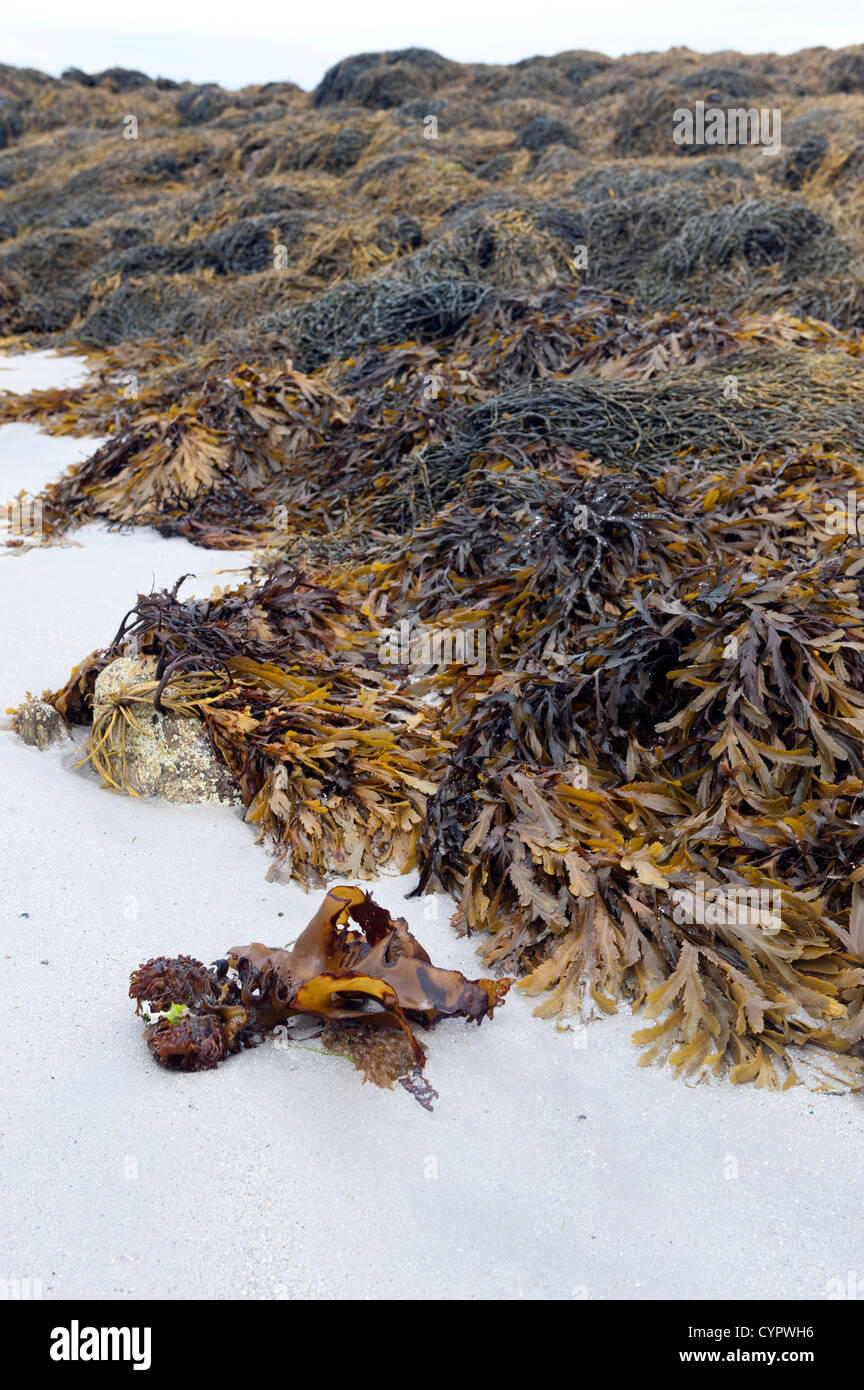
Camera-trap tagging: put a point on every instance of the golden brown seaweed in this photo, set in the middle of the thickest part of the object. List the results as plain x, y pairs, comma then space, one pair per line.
332, 972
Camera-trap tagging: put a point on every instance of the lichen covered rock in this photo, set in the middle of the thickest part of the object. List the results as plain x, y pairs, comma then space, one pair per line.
146, 753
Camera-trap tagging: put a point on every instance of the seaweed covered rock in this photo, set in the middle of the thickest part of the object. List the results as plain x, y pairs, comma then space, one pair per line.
146, 751
845, 71
242, 248
201, 104
543, 131
758, 231
334, 152
804, 159
381, 310
122, 79
382, 80
78, 75
11, 124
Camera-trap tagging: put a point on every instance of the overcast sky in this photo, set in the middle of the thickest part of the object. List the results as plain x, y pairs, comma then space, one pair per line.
270, 40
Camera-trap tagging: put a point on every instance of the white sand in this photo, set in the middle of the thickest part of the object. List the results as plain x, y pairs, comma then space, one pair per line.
548, 1169
40, 371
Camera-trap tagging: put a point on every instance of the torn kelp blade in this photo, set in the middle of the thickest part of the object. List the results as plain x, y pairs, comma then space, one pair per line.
332, 972
386, 950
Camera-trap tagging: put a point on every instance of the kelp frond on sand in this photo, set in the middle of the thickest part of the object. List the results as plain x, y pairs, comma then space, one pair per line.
369, 986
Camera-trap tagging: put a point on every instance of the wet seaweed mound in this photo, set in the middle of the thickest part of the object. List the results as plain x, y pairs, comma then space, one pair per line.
537, 394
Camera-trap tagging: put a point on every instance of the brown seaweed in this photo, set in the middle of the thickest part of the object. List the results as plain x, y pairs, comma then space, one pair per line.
377, 977
635, 474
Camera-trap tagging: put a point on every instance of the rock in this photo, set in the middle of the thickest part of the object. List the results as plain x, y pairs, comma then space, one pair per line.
38, 724
166, 756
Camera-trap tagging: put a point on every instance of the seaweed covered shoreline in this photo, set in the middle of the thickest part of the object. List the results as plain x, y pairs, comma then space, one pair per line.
634, 478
